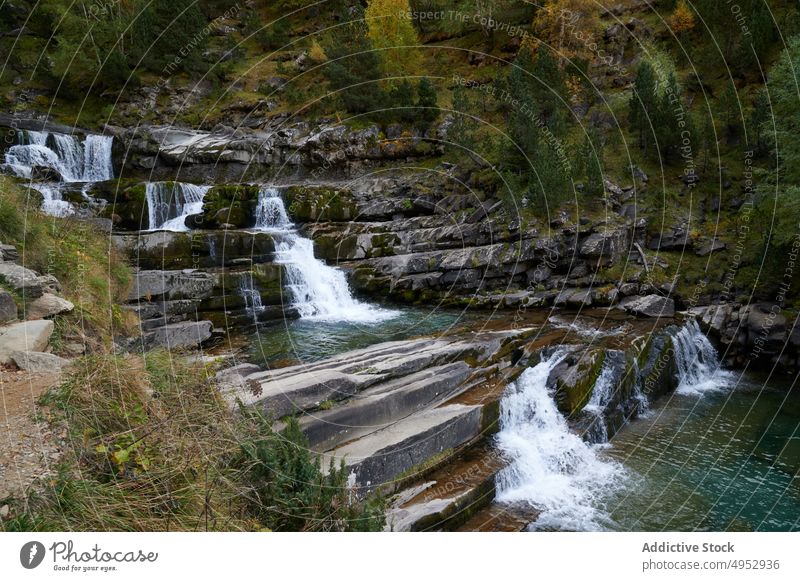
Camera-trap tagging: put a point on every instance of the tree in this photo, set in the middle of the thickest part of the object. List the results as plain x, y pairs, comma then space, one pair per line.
758, 123
783, 92
463, 129
353, 67
427, 106
391, 33
682, 19
401, 97
642, 105
568, 27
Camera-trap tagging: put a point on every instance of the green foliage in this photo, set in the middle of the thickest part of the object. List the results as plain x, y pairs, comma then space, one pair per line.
152, 447
428, 107
294, 494
269, 36
786, 110
353, 68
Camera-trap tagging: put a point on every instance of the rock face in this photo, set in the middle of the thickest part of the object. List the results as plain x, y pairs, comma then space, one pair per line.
178, 336
36, 362
759, 335
295, 148
24, 336
48, 305
8, 308
171, 285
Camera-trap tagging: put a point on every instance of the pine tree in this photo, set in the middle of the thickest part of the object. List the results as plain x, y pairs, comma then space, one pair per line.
643, 104
353, 67
427, 106
682, 19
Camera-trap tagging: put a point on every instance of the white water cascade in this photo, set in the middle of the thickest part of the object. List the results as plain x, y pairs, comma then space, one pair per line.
602, 392
170, 203
73, 160
551, 468
699, 367
318, 291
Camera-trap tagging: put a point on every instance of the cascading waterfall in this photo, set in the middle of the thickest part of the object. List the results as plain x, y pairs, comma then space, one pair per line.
551, 468
73, 160
318, 290
170, 203
699, 367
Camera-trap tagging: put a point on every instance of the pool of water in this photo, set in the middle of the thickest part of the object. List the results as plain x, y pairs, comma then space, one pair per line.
722, 460
306, 340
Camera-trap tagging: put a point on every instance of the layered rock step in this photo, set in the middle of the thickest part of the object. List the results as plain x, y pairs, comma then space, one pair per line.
392, 452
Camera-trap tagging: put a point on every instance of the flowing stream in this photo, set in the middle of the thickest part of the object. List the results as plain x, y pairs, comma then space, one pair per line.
70, 158
318, 291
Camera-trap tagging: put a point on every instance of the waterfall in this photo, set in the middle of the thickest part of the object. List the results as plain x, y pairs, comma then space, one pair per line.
170, 203
270, 212
551, 468
318, 291
53, 202
251, 296
75, 161
699, 368
602, 391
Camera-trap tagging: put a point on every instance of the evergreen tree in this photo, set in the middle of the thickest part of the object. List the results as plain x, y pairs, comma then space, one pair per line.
427, 111
786, 110
401, 98
643, 104
352, 67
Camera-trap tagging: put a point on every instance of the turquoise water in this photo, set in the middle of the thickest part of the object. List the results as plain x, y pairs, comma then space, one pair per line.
721, 460
304, 340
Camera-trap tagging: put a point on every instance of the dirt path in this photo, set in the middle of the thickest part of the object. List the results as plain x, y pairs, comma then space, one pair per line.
28, 448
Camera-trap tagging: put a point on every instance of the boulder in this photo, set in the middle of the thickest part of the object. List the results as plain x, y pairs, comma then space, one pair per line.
37, 362
182, 335
48, 305
651, 306
8, 253
21, 279
8, 308
710, 247
24, 336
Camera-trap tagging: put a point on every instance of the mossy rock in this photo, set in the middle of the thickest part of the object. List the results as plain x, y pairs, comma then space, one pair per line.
575, 378
126, 203
320, 204
230, 204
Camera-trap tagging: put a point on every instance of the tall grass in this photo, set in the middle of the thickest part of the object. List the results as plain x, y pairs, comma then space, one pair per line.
152, 447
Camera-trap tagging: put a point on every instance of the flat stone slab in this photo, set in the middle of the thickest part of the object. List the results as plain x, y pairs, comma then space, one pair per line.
650, 306
183, 335
380, 406
37, 362
386, 454
171, 285
24, 336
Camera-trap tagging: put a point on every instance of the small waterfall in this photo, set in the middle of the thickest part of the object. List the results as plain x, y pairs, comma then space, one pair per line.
699, 367
318, 290
53, 203
75, 161
602, 392
270, 211
251, 296
551, 468
170, 203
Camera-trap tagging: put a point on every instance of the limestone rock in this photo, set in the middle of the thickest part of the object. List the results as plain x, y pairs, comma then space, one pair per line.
37, 362
24, 336
48, 305
651, 306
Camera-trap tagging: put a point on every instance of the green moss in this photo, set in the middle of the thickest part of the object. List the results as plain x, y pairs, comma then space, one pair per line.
572, 398
312, 204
